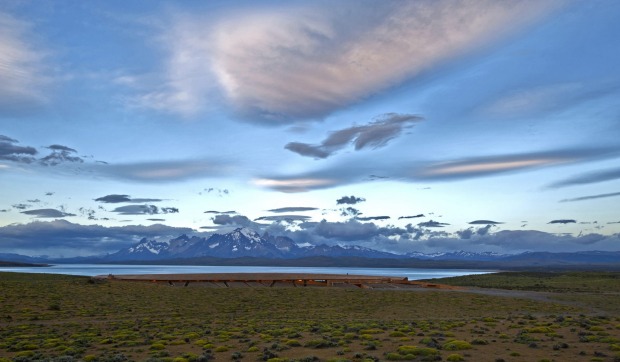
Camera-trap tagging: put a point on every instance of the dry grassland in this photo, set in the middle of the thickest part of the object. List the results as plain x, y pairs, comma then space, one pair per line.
65, 318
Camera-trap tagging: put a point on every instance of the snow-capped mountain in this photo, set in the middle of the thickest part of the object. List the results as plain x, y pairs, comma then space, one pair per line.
245, 242
241, 242
238, 243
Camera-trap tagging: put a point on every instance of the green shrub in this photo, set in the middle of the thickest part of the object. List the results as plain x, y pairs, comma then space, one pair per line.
320, 343
293, 343
221, 349
457, 345
407, 353
539, 330
157, 346
455, 357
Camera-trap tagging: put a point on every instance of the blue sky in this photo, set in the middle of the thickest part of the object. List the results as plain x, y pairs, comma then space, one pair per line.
402, 126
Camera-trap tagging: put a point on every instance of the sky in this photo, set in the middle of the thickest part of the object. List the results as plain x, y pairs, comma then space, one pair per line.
402, 126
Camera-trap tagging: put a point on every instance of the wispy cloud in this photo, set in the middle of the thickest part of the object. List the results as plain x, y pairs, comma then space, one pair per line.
47, 213
373, 135
116, 198
539, 99
562, 221
293, 209
60, 154
356, 171
411, 216
484, 222
589, 178
144, 210
22, 79
335, 54
591, 197
433, 224
164, 171
10, 151
485, 166
370, 218
220, 212
295, 184
288, 218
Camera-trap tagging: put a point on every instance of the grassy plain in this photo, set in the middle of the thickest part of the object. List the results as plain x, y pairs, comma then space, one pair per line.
65, 318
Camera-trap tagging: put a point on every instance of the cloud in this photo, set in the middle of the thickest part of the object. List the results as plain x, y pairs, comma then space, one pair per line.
63, 238
589, 178
305, 60
288, 218
22, 82
484, 222
562, 221
369, 218
590, 197
219, 212
156, 219
219, 192
349, 211
47, 213
432, 224
536, 100
411, 217
355, 171
465, 234
116, 198
60, 154
484, 230
164, 171
373, 135
296, 184
144, 210
9, 151
350, 200
491, 165
347, 231
238, 220
20, 206
293, 209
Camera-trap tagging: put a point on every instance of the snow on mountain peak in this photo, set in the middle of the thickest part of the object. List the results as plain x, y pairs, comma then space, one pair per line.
247, 233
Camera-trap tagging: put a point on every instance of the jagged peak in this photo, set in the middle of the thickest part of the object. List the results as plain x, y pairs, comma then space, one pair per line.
247, 233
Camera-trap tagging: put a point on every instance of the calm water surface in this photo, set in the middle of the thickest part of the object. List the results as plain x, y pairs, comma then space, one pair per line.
104, 269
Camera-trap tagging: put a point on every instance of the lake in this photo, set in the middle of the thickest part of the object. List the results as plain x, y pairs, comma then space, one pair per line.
105, 269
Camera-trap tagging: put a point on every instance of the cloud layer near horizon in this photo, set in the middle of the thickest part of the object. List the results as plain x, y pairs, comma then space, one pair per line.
63, 238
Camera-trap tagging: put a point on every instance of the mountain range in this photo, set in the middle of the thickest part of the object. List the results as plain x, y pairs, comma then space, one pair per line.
245, 246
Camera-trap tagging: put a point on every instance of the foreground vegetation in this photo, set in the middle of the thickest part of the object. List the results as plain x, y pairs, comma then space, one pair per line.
65, 318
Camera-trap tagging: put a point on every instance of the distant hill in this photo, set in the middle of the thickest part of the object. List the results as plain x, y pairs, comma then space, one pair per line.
18, 264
